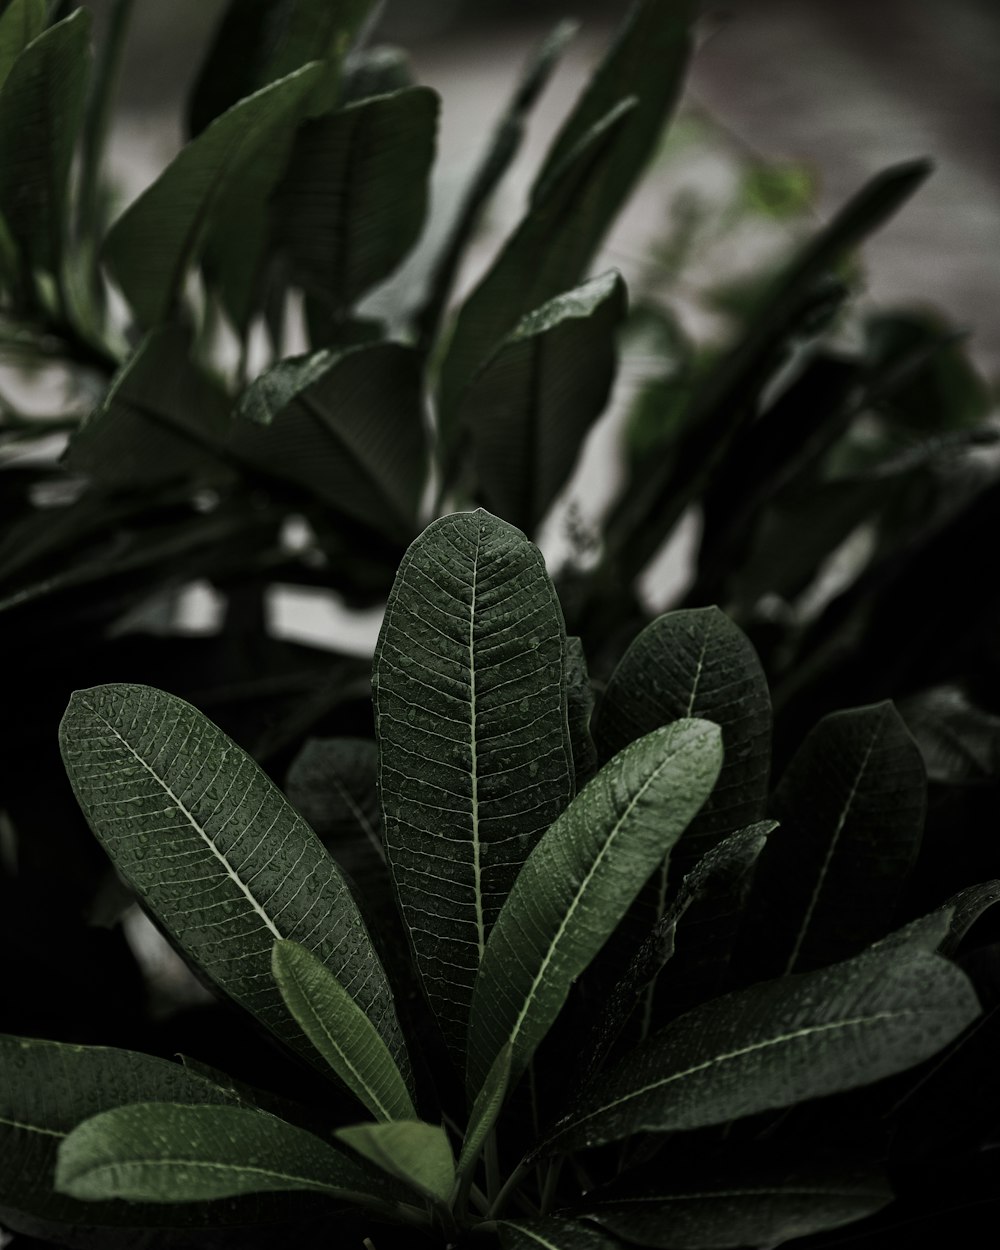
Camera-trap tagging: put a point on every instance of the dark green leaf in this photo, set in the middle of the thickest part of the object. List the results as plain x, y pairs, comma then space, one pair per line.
353, 200
485, 1110
332, 783
21, 22
960, 742
851, 810
215, 852
171, 1152
579, 881
416, 1153
150, 248
752, 1203
341, 1032
41, 105
163, 420
580, 707
529, 408
777, 1044
552, 1234
475, 760
547, 254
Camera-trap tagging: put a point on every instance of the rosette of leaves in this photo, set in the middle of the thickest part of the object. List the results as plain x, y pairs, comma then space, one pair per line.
700, 1106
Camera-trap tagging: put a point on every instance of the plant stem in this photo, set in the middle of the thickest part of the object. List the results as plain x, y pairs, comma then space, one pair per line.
512, 1182
551, 1184
491, 1159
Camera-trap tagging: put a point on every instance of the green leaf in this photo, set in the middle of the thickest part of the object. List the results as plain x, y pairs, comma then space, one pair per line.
648, 60
378, 70
851, 810
341, 1032
214, 851
163, 420
529, 408
47, 1089
579, 881
41, 106
345, 427
777, 1044
170, 1152
150, 248
552, 1234
503, 147
354, 198
418, 1154
548, 253
259, 41
474, 754
580, 709
960, 743
21, 22
696, 662
761, 1202
485, 1110
332, 784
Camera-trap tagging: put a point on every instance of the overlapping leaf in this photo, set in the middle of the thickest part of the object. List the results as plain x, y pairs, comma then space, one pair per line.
530, 406
553, 1233
580, 708
579, 881
851, 811
475, 760
777, 1044
216, 853
416, 1153
20, 23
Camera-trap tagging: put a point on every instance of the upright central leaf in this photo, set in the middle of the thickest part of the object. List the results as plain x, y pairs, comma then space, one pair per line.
474, 753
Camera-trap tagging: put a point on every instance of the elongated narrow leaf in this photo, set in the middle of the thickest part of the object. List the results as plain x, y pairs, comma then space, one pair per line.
777, 1044
341, 1032
758, 1202
41, 106
474, 754
172, 1152
259, 41
553, 1233
707, 906
353, 201
46, 1089
580, 708
162, 421
416, 1153
579, 881
851, 810
966, 907
216, 853
530, 406
503, 147
150, 248
485, 1110
648, 60
347, 428
548, 253
21, 22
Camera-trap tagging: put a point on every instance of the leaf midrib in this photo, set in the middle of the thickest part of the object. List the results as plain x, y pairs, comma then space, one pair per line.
207, 1165
768, 1192
474, 756
32, 1128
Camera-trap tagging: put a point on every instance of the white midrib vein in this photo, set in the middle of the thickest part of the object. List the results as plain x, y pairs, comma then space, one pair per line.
800, 937
476, 865
230, 871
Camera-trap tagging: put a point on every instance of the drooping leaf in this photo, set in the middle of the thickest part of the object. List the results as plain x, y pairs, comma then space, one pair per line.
548, 253
580, 708
172, 1152
777, 1044
503, 147
708, 906
353, 200
216, 853
345, 427
851, 810
150, 248
259, 41
474, 754
696, 662
759, 1202
41, 105
20, 23
529, 408
416, 1153
579, 881
341, 1032
163, 420
552, 1233
648, 60
485, 1110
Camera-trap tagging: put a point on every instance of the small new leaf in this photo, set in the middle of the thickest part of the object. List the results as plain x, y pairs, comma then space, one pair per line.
410, 1150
